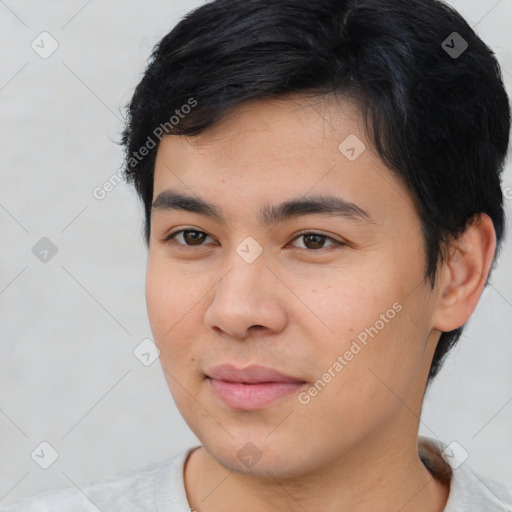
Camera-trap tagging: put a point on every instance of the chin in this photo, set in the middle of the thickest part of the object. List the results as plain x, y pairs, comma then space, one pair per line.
263, 459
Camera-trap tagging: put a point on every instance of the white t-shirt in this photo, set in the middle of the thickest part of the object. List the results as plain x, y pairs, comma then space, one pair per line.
160, 487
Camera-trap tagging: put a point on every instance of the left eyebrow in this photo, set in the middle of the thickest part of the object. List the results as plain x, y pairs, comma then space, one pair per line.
269, 214
320, 205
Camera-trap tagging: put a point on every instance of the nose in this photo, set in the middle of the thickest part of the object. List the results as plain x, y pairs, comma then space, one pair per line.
248, 300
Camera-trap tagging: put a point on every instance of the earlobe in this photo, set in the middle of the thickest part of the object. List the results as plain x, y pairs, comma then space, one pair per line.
464, 274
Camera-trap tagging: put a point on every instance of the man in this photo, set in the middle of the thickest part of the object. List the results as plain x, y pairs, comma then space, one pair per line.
321, 183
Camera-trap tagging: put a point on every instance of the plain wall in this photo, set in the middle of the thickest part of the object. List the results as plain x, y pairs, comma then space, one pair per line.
69, 326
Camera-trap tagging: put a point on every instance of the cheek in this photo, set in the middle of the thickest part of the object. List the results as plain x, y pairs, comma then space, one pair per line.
167, 295
350, 304
374, 333
164, 308
165, 304
173, 312
158, 301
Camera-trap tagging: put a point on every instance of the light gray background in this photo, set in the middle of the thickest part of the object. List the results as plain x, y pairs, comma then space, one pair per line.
68, 327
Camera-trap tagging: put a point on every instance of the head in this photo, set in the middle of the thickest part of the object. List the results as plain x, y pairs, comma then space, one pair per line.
257, 110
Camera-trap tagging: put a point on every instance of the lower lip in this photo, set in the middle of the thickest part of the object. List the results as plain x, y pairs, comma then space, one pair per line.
249, 397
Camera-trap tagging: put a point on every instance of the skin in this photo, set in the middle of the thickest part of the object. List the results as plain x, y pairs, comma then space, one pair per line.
353, 446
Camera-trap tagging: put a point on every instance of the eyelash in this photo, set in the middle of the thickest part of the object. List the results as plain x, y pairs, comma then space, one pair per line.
336, 243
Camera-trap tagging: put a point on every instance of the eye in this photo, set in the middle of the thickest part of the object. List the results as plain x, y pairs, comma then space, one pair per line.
315, 241
190, 237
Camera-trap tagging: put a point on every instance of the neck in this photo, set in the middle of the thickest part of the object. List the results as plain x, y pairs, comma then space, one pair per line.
384, 474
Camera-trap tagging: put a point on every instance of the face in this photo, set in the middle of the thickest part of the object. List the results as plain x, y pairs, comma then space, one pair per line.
331, 293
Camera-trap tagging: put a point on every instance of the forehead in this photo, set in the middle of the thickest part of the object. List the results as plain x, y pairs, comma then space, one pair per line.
268, 134
276, 123
273, 149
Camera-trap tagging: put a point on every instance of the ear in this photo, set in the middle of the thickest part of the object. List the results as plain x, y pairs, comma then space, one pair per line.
463, 275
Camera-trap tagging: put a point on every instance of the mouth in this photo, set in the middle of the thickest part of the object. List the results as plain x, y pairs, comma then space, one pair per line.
252, 396
253, 374
251, 388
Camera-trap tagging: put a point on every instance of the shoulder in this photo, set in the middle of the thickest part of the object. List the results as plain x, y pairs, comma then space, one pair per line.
469, 492
134, 491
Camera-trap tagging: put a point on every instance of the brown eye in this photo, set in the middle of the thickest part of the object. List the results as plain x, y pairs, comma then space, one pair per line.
193, 237
316, 241
187, 237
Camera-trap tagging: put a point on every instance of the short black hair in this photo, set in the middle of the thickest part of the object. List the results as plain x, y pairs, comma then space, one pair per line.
430, 90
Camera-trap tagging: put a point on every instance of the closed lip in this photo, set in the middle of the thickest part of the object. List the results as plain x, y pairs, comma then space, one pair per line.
249, 375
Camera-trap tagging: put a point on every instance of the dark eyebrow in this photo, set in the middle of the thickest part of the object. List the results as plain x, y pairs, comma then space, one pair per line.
270, 214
